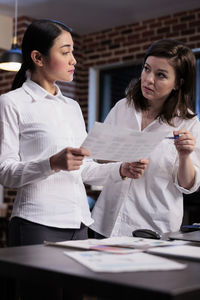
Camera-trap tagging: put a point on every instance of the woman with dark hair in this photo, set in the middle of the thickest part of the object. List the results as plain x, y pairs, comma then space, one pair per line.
40, 155
158, 102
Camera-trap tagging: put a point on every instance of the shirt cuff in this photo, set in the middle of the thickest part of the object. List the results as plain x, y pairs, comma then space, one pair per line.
115, 174
195, 186
46, 167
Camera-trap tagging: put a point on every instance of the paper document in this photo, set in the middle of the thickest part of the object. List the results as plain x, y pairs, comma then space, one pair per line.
122, 242
105, 262
184, 251
106, 142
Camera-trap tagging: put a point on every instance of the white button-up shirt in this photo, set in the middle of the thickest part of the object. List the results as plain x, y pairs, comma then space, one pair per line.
155, 200
34, 125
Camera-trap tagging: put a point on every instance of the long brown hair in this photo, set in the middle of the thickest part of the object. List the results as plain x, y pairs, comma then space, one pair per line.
179, 101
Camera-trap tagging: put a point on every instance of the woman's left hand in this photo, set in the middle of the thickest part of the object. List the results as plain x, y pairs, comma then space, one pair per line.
134, 169
185, 143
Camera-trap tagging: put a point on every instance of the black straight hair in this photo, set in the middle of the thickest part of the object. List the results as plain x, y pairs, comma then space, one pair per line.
40, 36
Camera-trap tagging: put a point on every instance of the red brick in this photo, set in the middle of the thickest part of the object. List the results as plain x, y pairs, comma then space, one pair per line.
140, 28
154, 25
148, 33
188, 32
187, 18
194, 23
171, 21
134, 49
195, 38
181, 26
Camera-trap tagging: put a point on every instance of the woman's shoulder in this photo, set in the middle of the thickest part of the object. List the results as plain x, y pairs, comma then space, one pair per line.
11, 97
121, 112
123, 107
121, 103
189, 123
71, 101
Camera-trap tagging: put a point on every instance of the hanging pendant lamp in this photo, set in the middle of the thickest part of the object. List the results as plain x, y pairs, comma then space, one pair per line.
11, 60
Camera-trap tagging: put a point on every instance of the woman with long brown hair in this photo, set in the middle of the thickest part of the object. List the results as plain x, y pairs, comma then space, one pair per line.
158, 102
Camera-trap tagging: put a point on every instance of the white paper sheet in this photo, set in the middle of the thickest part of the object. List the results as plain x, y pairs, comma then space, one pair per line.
121, 241
106, 142
182, 251
104, 262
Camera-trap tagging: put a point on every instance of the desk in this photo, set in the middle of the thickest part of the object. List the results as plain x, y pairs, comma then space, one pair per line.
49, 265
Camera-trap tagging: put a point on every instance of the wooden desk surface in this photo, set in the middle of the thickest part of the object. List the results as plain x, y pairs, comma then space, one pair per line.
47, 264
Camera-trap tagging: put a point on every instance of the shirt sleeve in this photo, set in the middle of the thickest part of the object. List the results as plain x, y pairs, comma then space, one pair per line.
13, 172
94, 173
195, 157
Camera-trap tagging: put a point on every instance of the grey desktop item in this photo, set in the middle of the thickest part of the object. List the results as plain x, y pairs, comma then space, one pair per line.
193, 236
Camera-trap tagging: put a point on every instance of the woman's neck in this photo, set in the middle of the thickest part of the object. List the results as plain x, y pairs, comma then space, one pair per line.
148, 116
45, 84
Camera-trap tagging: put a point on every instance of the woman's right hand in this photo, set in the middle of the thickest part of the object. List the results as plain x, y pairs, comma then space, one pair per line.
68, 159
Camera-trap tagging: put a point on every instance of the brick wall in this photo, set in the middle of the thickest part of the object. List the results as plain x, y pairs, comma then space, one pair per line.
122, 44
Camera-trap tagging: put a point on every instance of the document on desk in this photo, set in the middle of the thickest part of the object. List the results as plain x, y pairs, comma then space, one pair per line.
181, 251
109, 244
108, 142
106, 262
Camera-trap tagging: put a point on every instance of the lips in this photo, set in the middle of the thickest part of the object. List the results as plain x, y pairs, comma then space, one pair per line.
147, 89
72, 71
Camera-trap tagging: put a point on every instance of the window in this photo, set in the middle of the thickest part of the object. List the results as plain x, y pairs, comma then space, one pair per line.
113, 83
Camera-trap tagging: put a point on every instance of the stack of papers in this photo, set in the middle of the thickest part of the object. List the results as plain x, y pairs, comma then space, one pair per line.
123, 243
120, 254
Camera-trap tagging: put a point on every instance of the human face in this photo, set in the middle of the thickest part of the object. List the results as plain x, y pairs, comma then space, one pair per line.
59, 65
157, 80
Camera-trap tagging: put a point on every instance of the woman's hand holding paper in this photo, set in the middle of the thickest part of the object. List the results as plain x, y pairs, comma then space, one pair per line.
68, 159
134, 169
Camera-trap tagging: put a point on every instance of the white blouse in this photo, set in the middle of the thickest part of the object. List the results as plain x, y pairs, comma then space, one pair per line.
34, 125
155, 200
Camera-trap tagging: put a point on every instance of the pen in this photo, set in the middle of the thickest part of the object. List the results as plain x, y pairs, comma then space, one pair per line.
191, 226
175, 137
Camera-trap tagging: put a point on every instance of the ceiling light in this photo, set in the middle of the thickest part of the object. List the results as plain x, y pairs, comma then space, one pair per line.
11, 59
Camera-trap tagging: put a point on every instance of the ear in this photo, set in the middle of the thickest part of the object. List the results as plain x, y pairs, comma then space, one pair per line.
37, 58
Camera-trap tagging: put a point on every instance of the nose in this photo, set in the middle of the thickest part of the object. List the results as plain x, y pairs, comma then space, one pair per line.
150, 77
73, 60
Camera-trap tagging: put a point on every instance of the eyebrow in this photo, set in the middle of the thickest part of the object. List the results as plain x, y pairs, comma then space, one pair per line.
67, 45
160, 70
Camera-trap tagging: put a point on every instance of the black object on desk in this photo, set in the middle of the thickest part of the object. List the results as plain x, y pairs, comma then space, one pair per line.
146, 233
189, 228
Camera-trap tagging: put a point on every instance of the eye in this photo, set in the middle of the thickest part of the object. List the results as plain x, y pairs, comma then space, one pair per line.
65, 53
146, 69
161, 75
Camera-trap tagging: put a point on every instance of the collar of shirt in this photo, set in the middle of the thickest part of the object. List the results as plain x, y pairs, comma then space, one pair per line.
154, 125
38, 93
